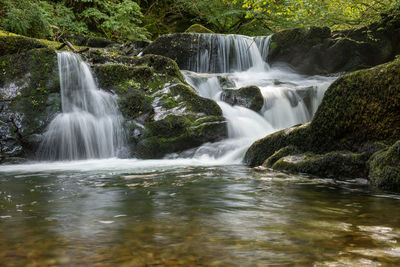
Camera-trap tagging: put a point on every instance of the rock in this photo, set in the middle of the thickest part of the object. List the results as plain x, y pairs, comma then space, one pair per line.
297, 136
164, 114
283, 152
359, 115
180, 47
18, 44
360, 107
249, 97
384, 168
29, 99
338, 165
316, 50
197, 28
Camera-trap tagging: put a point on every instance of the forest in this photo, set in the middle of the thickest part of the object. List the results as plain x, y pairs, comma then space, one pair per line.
129, 20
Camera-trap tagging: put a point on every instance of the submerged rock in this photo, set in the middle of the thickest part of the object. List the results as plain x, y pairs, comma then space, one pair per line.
249, 97
384, 168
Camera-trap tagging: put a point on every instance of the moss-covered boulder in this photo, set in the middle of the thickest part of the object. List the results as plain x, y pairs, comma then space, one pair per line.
359, 114
249, 97
164, 114
359, 107
316, 50
18, 44
29, 99
336, 165
384, 168
197, 28
262, 149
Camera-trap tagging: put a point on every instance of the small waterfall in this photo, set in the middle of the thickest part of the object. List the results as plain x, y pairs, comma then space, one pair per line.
289, 98
90, 125
219, 53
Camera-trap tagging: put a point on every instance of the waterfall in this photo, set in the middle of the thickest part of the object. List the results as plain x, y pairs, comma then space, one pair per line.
217, 53
289, 98
90, 125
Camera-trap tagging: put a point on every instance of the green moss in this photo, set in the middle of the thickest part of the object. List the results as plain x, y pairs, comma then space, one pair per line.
334, 164
385, 168
360, 107
197, 28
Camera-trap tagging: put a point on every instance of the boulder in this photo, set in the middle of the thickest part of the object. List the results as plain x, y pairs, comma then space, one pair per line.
359, 114
180, 47
164, 114
337, 164
249, 97
384, 168
29, 99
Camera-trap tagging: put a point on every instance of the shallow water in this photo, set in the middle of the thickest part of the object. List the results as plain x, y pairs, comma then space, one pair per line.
190, 213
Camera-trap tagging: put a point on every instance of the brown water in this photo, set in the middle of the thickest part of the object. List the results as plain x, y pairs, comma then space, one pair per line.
191, 216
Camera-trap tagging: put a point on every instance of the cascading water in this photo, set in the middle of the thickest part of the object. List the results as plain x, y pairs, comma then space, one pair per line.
90, 125
289, 98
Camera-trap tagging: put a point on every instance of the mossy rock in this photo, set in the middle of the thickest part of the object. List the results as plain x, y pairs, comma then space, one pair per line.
30, 98
18, 44
197, 28
164, 114
384, 168
360, 107
249, 97
283, 152
338, 165
259, 151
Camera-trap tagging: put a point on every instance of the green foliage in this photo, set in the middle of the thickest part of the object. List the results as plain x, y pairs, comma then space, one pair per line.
338, 14
51, 19
116, 19
24, 17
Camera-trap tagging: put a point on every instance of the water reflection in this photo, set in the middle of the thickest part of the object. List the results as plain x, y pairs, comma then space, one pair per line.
191, 216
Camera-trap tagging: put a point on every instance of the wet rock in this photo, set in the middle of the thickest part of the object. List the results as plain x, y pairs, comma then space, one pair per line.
338, 165
164, 114
261, 150
384, 168
29, 99
249, 97
180, 47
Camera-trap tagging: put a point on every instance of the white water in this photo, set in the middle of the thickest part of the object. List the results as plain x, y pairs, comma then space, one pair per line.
240, 60
90, 125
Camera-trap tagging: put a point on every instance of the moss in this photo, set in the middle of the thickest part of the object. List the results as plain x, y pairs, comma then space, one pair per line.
30, 87
195, 102
283, 152
385, 168
262, 149
359, 107
333, 164
197, 28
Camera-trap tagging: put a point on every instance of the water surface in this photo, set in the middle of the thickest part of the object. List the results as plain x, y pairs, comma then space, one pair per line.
189, 213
